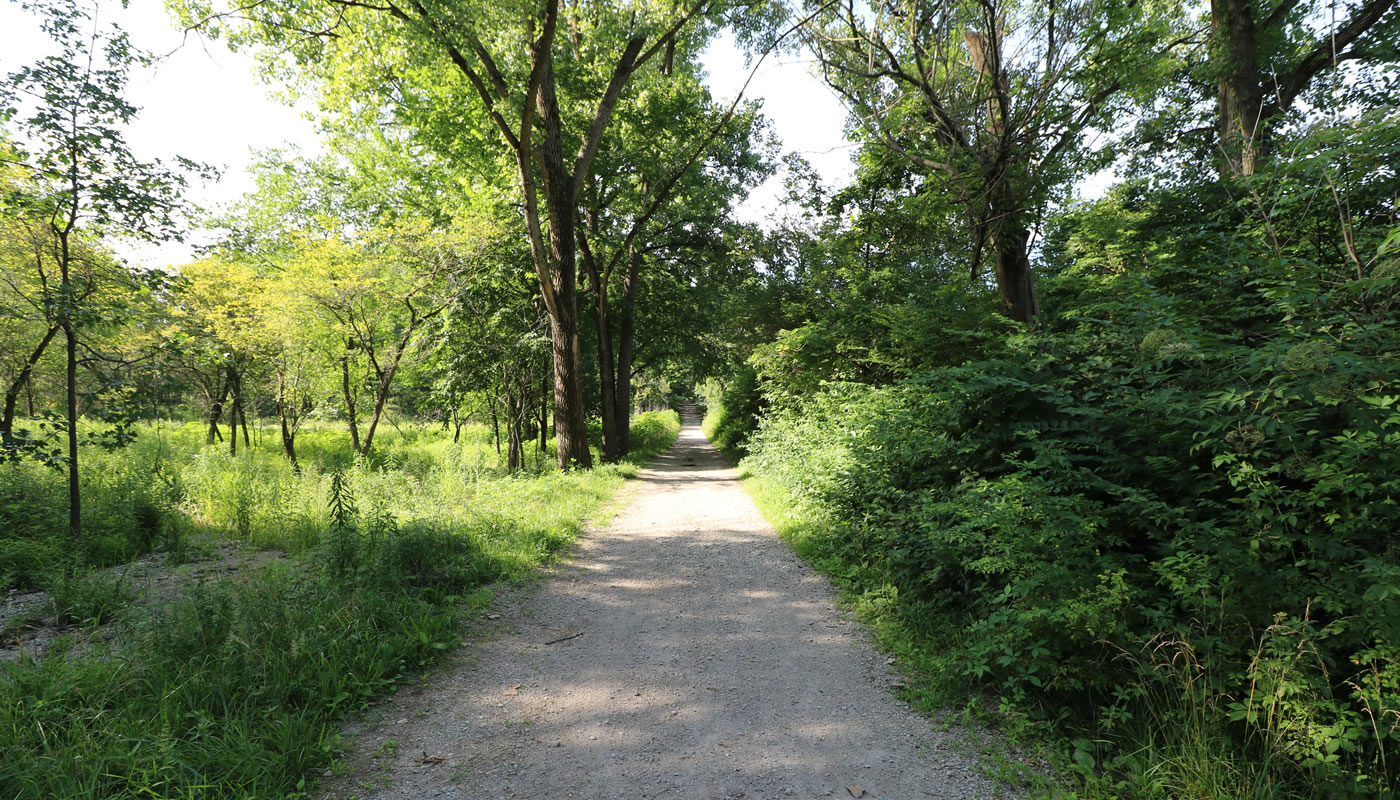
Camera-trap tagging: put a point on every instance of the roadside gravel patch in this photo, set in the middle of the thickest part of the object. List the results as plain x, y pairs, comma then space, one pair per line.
682, 652
27, 629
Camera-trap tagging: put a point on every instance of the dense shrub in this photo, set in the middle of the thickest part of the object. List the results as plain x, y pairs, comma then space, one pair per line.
1178, 500
732, 416
126, 513
653, 432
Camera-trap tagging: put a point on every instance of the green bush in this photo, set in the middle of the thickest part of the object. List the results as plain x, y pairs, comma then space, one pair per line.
26, 563
653, 432
732, 420
1196, 462
88, 598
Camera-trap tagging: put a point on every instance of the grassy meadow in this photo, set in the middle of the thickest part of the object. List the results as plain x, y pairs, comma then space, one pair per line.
236, 687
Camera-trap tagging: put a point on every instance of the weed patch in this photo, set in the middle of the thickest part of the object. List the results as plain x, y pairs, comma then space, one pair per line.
235, 690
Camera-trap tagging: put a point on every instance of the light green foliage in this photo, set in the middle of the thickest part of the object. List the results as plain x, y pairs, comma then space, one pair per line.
234, 690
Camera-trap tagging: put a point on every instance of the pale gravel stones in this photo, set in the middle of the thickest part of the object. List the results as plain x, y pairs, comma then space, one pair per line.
683, 652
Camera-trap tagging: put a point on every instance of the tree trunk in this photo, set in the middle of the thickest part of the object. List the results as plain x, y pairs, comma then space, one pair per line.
571, 431
495, 424
626, 349
243, 422
289, 444
1013, 270
349, 400
607, 369
75, 496
1242, 134
216, 413
7, 421
544, 412
514, 407
381, 396
235, 407
561, 263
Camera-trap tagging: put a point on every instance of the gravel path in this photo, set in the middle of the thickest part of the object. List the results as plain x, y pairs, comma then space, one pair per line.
682, 652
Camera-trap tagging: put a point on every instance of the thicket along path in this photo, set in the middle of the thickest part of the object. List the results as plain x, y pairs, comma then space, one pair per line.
682, 652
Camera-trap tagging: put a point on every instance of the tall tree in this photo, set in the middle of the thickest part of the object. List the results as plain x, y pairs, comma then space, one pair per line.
548, 83
991, 97
71, 111
664, 185
1264, 55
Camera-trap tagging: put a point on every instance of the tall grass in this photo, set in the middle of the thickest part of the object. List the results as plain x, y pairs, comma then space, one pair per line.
235, 689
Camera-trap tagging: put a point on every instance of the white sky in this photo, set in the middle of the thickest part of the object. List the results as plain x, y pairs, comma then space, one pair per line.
806, 115
203, 102
199, 102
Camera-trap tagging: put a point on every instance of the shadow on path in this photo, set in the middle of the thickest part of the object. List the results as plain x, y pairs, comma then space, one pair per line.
684, 652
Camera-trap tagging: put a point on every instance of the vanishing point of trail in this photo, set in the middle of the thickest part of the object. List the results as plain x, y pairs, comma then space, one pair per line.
682, 652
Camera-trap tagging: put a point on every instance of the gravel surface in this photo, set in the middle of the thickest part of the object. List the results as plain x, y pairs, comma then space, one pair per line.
682, 652
26, 624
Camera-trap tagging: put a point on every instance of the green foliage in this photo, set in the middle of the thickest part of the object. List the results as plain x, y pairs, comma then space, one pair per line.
129, 511
235, 690
653, 432
1164, 522
732, 415
228, 693
87, 598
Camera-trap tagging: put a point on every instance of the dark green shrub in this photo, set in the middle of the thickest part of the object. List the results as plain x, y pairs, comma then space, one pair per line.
26, 563
1200, 458
737, 416
423, 559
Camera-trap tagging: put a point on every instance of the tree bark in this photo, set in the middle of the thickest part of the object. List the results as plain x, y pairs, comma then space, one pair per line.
571, 431
289, 436
7, 421
495, 424
216, 413
544, 413
515, 412
571, 428
75, 496
235, 407
1013, 271
289, 444
1241, 113
626, 349
381, 396
349, 398
607, 369
243, 418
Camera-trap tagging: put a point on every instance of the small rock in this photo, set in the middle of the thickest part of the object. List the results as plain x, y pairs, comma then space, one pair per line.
403, 721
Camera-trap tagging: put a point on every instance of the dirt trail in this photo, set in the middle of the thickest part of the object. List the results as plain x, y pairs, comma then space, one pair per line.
682, 652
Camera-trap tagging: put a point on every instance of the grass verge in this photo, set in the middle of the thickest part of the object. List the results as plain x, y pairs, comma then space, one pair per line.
812, 535
237, 689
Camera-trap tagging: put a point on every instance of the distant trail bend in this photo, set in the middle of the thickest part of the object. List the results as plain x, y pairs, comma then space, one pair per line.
682, 652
